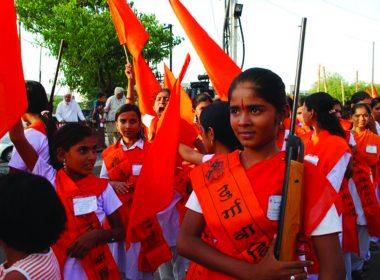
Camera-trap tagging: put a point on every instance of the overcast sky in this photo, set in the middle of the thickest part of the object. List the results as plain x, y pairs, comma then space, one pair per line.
339, 36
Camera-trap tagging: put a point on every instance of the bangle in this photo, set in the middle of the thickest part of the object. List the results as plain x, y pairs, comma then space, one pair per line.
129, 98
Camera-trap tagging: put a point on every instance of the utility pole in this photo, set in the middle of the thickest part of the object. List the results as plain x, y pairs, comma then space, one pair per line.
40, 72
373, 62
233, 31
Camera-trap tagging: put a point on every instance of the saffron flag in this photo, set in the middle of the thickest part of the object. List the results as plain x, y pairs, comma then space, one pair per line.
374, 91
147, 85
155, 185
128, 27
12, 83
186, 104
220, 68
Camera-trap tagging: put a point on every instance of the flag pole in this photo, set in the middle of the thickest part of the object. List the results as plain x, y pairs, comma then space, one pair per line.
356, 81
324, 79
319, 78
126, 53
342, 86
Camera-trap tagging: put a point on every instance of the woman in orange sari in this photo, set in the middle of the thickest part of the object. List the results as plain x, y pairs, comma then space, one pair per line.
366, 158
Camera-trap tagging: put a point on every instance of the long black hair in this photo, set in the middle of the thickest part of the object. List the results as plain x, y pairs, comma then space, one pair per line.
37, 104
323, 105
217, 116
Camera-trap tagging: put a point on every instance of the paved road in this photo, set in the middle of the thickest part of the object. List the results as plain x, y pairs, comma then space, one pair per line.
374, 267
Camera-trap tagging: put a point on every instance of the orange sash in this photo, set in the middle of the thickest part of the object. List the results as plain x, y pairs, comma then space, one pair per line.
154, 249
234, 203
39, 126
99, 262
365, 162
350, 240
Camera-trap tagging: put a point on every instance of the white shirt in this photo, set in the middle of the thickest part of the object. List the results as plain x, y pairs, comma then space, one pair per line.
138, 144
40, 144
69, 112
112, 104
107, 203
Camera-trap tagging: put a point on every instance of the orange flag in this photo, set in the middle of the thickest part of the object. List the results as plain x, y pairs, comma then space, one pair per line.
220, 68
186, 104
155, 185
128, 27
146, 85
374, 91
12, 83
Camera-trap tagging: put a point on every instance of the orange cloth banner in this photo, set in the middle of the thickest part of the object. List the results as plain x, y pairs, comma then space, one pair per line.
220, 68
186, 104
155, 185
13, 102
128, 27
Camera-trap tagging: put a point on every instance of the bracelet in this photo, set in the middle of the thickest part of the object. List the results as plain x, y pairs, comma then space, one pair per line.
128, 98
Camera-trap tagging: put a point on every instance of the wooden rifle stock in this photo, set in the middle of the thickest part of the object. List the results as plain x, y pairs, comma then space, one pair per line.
291, 212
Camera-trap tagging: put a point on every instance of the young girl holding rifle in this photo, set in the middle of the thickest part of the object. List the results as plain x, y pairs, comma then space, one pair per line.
239, 195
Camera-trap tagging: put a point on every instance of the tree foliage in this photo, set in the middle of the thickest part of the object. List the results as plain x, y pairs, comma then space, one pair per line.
334, 86
94, 60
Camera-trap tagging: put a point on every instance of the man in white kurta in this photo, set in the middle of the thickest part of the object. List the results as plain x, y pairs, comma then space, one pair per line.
68, 110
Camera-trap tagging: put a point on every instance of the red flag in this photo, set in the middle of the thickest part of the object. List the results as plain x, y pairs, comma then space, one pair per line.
155, 185
12, 83
374, 91
220, 68
128, 27
147, 85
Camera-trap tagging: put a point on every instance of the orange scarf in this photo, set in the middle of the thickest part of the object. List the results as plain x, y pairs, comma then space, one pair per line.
365, 160
234, 203
39, 126
99, 262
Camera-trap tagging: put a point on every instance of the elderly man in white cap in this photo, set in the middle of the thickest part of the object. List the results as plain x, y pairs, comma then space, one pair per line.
68, 110
112, 105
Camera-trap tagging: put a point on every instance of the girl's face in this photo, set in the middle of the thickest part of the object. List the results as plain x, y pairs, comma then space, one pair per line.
299, 114
80, 158
162, 99
128, 125
376, 112
254, 121
360, 118
200, 107
307, 115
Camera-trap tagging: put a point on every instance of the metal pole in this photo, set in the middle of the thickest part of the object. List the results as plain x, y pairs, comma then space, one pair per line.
40, 72
234, 31
373, 61
171, 49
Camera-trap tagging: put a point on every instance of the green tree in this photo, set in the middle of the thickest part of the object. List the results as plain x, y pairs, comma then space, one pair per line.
334, 86
94, 59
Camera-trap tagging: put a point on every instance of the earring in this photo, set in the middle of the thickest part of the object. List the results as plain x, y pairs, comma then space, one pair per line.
64, 163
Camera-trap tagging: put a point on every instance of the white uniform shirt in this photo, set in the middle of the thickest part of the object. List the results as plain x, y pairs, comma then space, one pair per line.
69, 112
40, 144
107, 203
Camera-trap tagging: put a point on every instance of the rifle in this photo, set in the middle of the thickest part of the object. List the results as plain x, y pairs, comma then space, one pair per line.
291, 211
62, 47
